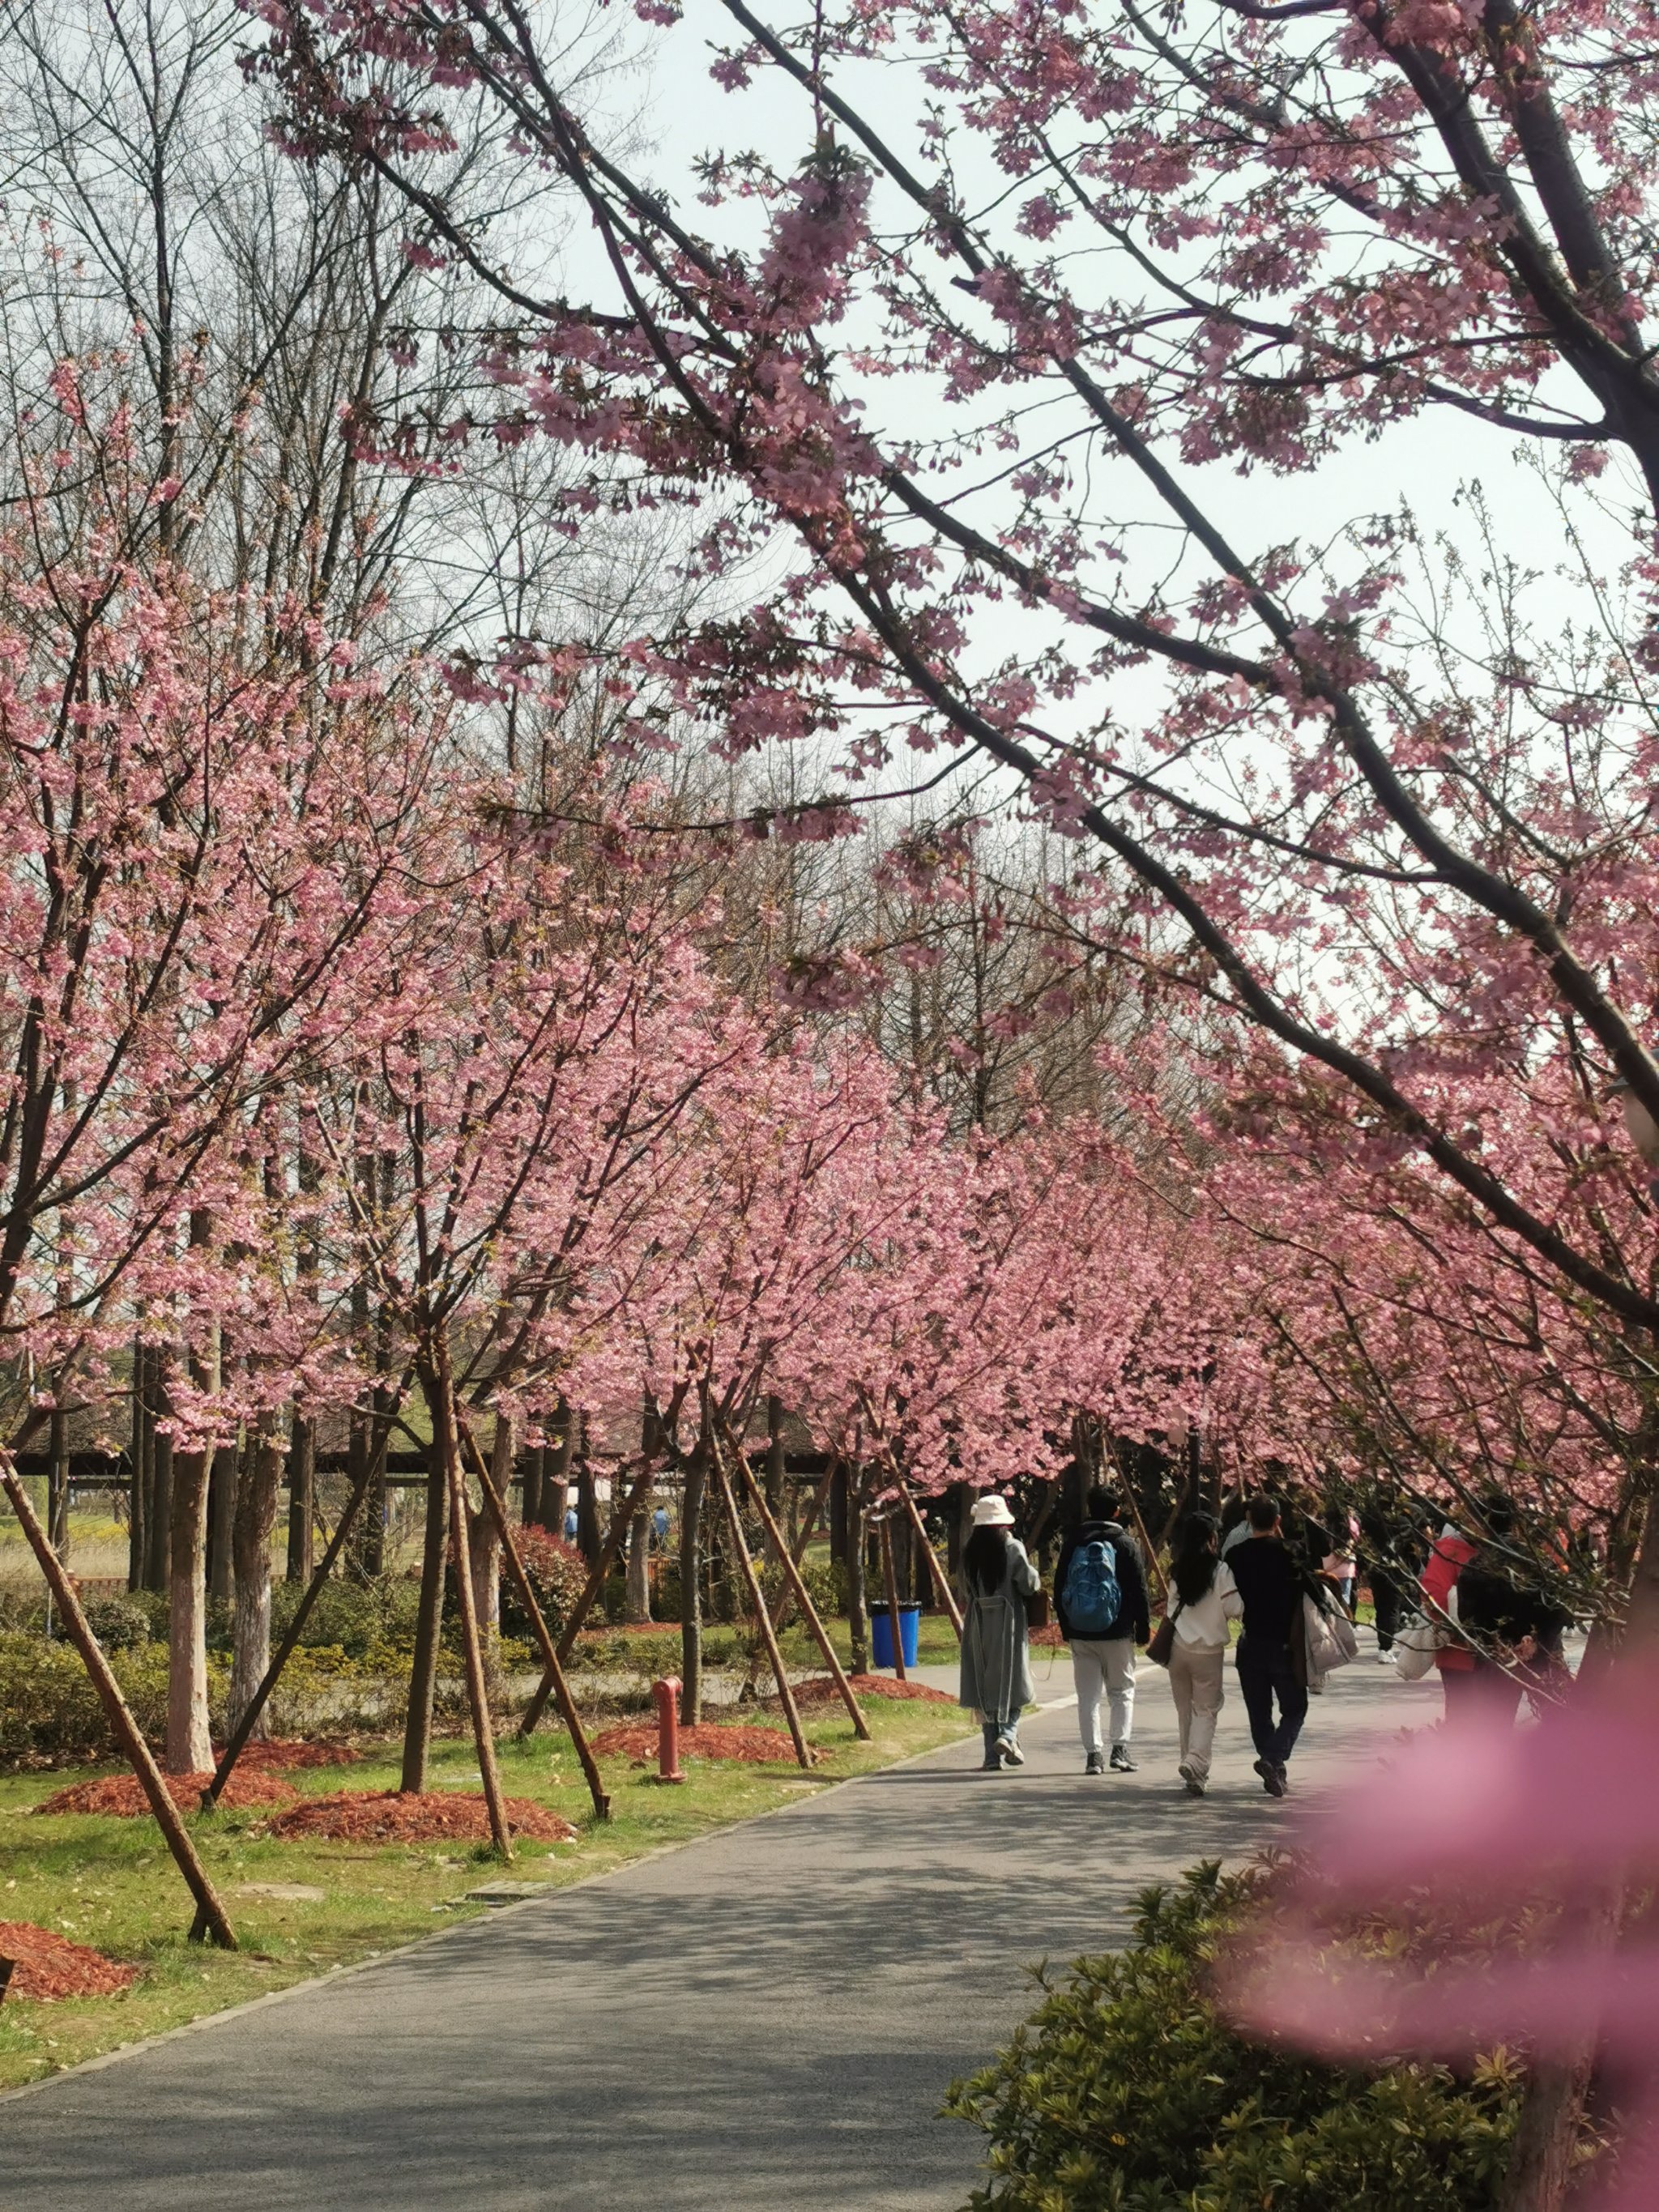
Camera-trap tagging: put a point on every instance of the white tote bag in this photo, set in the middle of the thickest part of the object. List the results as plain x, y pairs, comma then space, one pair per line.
1415, 1647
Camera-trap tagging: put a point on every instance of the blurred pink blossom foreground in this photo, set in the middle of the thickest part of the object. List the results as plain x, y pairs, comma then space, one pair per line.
1482, 1823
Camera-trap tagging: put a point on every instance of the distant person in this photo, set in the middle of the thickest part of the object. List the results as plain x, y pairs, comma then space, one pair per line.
1200, 1612
1100, 1602
1340, 1562
1235, 1521
572, 1524
1393, 1554
996, 1664
1510, 1626
1270, 1582
1448, 1555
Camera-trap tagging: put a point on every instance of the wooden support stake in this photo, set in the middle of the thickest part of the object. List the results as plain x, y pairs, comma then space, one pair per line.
941, 1580
595, 1583
891, 1581
798, 1550
803, 1598
477, 1691
544, 1635
211, 1918
757, 1599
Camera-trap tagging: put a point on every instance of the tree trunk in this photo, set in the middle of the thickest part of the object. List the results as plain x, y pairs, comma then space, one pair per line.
839, 1513
157, 1535
555, 1471
189, 1745
255, 1519
441, 1396
223, 1483
483, 1558
58, 1484
858, 1609
775, 1464
142, 1465
696, 1477
588, 1536
429, 1622
638, 1606
301, 1496
530, 1494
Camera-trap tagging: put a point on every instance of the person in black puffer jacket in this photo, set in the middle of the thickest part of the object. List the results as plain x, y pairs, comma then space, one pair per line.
1102, 1658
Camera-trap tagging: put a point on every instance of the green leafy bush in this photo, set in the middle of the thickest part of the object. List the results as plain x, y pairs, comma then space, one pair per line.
826, 1585
1128, 2091
353, 1614
119, 1623
49, 1710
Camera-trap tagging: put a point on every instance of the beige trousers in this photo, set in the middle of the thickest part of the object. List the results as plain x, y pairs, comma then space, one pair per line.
1195, 1679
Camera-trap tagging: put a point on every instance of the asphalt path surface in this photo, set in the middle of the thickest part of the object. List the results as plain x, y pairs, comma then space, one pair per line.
764, 2020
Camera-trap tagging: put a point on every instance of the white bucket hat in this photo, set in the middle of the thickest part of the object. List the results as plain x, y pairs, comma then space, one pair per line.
992, 1513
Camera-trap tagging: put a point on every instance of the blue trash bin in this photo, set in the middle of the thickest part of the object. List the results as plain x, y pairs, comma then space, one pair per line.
881, 1634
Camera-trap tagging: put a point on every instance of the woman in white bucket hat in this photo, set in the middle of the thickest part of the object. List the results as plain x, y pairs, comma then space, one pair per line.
996, 1669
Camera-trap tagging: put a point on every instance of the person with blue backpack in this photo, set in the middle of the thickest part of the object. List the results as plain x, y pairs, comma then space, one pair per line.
1100, 1602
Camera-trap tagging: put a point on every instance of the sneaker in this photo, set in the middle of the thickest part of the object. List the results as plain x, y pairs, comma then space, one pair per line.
1194, 1786
991, 1765
1272, 1778
1122, 1762
1385, 1658
1284, 1778
1012, 1754
1190, 1775
1095, 1763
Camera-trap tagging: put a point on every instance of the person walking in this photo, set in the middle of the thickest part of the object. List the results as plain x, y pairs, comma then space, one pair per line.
1270, 1584
1100, 1602
1199, 1618
1510, 1626
1394, 1556
1448, 1555
996, 1665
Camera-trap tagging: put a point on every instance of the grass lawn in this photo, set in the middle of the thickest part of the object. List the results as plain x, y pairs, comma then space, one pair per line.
110, 1883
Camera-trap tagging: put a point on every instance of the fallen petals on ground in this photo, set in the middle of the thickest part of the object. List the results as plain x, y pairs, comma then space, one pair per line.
49, 1966
414, 1817
122, 1794
638, 1741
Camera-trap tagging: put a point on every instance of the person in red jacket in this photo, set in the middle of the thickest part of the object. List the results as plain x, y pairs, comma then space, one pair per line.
1451, 1553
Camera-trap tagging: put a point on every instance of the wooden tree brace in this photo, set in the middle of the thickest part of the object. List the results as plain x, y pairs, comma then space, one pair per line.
757, 1599
594, 1584
544, 1635
210, 1917
803, 1596
941, 1580
477, 1689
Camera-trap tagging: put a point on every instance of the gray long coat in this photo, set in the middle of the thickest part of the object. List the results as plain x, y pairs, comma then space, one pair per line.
996, 1668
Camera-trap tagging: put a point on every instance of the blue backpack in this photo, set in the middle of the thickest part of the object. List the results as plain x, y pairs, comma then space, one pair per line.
1092, 1596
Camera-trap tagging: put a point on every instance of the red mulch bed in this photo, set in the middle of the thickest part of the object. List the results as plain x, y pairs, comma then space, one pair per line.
391, 1816
706, 1741
286, 1753
51, 1967
820, 1690
122, 1794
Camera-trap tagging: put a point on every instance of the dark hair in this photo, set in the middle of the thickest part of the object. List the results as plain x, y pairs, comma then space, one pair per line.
985, 1559
1103, 1504
1264, 1512
1497, 1513
1194, 1569
1234, 1512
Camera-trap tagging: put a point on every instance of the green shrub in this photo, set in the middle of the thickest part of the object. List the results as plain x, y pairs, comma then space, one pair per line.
49, 1710
354, 1614
1126, 2092
556, 1572
119, 1623
826, 1585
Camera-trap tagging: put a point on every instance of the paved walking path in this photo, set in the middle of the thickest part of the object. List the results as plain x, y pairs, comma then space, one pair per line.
763, 2021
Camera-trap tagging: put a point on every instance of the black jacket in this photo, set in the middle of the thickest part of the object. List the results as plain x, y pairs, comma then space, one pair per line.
1133, 1617
1271, 1581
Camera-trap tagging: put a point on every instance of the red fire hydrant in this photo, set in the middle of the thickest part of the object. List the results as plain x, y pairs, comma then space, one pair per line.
667, 1695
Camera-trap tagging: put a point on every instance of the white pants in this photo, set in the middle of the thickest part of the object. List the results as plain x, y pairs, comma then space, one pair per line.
1106, 1667
1196, 1680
